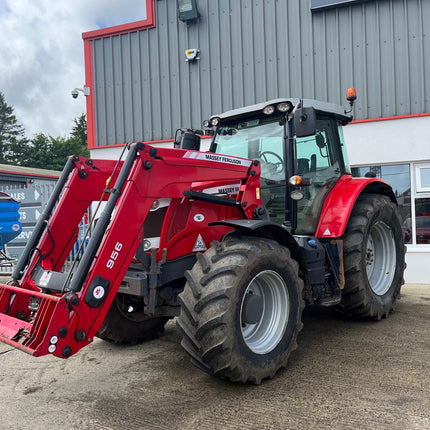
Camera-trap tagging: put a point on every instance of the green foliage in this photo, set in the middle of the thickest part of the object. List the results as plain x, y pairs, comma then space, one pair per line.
79, 130
11, 134
47, 152
42, 151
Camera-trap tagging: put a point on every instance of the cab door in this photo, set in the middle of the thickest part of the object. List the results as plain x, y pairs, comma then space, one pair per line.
319, 160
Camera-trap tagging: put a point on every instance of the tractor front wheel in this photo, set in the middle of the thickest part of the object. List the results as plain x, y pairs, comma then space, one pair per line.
374, 258
125, 322
241, 309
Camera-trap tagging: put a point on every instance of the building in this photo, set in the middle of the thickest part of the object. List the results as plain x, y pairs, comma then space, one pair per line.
142, 86
32, 188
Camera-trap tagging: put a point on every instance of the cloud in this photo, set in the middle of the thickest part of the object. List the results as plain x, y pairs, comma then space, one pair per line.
42, 56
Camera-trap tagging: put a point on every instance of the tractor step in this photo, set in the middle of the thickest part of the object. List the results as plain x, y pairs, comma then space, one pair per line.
32, 321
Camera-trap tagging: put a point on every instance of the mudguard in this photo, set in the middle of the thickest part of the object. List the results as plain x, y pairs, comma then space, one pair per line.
341, 199
268, 229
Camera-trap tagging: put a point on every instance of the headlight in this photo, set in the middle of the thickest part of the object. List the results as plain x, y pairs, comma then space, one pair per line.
215, 121
147, 245
268, 110
284, 107
297, 195
155, 205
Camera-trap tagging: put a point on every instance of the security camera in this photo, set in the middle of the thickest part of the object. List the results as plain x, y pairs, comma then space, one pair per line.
85, 91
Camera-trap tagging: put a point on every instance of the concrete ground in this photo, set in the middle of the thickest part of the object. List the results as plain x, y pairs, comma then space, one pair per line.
346, 374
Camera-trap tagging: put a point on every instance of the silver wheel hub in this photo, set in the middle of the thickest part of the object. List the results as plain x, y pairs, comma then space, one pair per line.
264, 312
380, 258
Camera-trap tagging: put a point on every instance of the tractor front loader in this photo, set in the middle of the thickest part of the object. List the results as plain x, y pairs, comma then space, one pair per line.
233, 242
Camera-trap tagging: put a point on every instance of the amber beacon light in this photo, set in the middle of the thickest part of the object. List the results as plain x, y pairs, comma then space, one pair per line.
351, 94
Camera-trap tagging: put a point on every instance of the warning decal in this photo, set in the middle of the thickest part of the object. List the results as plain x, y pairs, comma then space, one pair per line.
200, 244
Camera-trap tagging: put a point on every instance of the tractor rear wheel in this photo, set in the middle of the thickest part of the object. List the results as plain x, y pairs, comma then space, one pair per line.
125, 322
374, 258
241, 309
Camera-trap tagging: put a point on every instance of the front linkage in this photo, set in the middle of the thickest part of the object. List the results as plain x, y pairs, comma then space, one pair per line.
45, 311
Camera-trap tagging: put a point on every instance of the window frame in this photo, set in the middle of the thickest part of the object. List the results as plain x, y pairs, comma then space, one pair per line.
419, 187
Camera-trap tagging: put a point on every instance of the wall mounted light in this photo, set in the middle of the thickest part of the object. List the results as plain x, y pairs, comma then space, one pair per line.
187, 10
192, 54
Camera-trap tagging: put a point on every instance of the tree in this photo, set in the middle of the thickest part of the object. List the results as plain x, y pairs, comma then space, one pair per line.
37, 152
79, 130
12, 134
47, 152
62, 148
78, 143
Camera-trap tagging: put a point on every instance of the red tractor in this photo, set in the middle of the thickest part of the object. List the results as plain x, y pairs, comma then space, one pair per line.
234, 242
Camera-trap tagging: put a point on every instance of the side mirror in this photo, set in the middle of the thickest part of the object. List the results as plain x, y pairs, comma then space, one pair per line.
187, 139
305, 121
320, 141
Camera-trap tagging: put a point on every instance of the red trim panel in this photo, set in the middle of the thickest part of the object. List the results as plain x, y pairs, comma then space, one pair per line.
36, 175
339, 203
387, 118
89, 82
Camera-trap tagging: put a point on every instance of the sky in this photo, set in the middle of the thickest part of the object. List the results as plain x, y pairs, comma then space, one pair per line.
42, 56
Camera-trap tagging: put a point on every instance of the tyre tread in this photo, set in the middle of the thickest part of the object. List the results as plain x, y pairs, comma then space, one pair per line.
205, 300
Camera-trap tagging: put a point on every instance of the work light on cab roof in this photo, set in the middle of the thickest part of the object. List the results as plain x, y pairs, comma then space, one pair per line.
268, 110
285, 107
280, 107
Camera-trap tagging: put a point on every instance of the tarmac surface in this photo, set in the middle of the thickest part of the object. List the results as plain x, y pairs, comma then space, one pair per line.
346, 374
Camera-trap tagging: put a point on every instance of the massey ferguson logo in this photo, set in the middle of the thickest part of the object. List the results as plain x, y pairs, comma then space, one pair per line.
228, 190
223, 159
217, 158
223, 189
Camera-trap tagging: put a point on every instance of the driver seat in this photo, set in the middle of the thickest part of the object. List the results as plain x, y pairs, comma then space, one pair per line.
302, 166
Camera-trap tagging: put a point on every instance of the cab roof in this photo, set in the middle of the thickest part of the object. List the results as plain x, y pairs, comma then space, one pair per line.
321, 107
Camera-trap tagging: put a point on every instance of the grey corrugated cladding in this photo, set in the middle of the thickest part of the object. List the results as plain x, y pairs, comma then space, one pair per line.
255, 50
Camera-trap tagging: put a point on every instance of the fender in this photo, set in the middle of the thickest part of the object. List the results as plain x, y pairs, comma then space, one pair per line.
270, 230
339, 203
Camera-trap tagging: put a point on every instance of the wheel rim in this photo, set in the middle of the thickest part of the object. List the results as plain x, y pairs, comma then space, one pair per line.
263, 336
380, 258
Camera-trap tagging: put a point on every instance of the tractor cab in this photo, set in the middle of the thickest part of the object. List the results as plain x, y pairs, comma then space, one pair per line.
301, 149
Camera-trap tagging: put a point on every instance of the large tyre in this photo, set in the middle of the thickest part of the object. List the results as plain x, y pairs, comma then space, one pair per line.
125, 322
374, 258
241, 309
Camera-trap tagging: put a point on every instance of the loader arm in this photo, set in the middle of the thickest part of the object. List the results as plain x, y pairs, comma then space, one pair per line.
45, 311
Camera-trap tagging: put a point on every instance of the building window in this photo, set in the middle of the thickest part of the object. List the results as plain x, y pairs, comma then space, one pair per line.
398, 176
422, 221
422, 174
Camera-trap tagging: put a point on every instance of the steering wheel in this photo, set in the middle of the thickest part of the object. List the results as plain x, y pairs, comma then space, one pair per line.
276, 167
